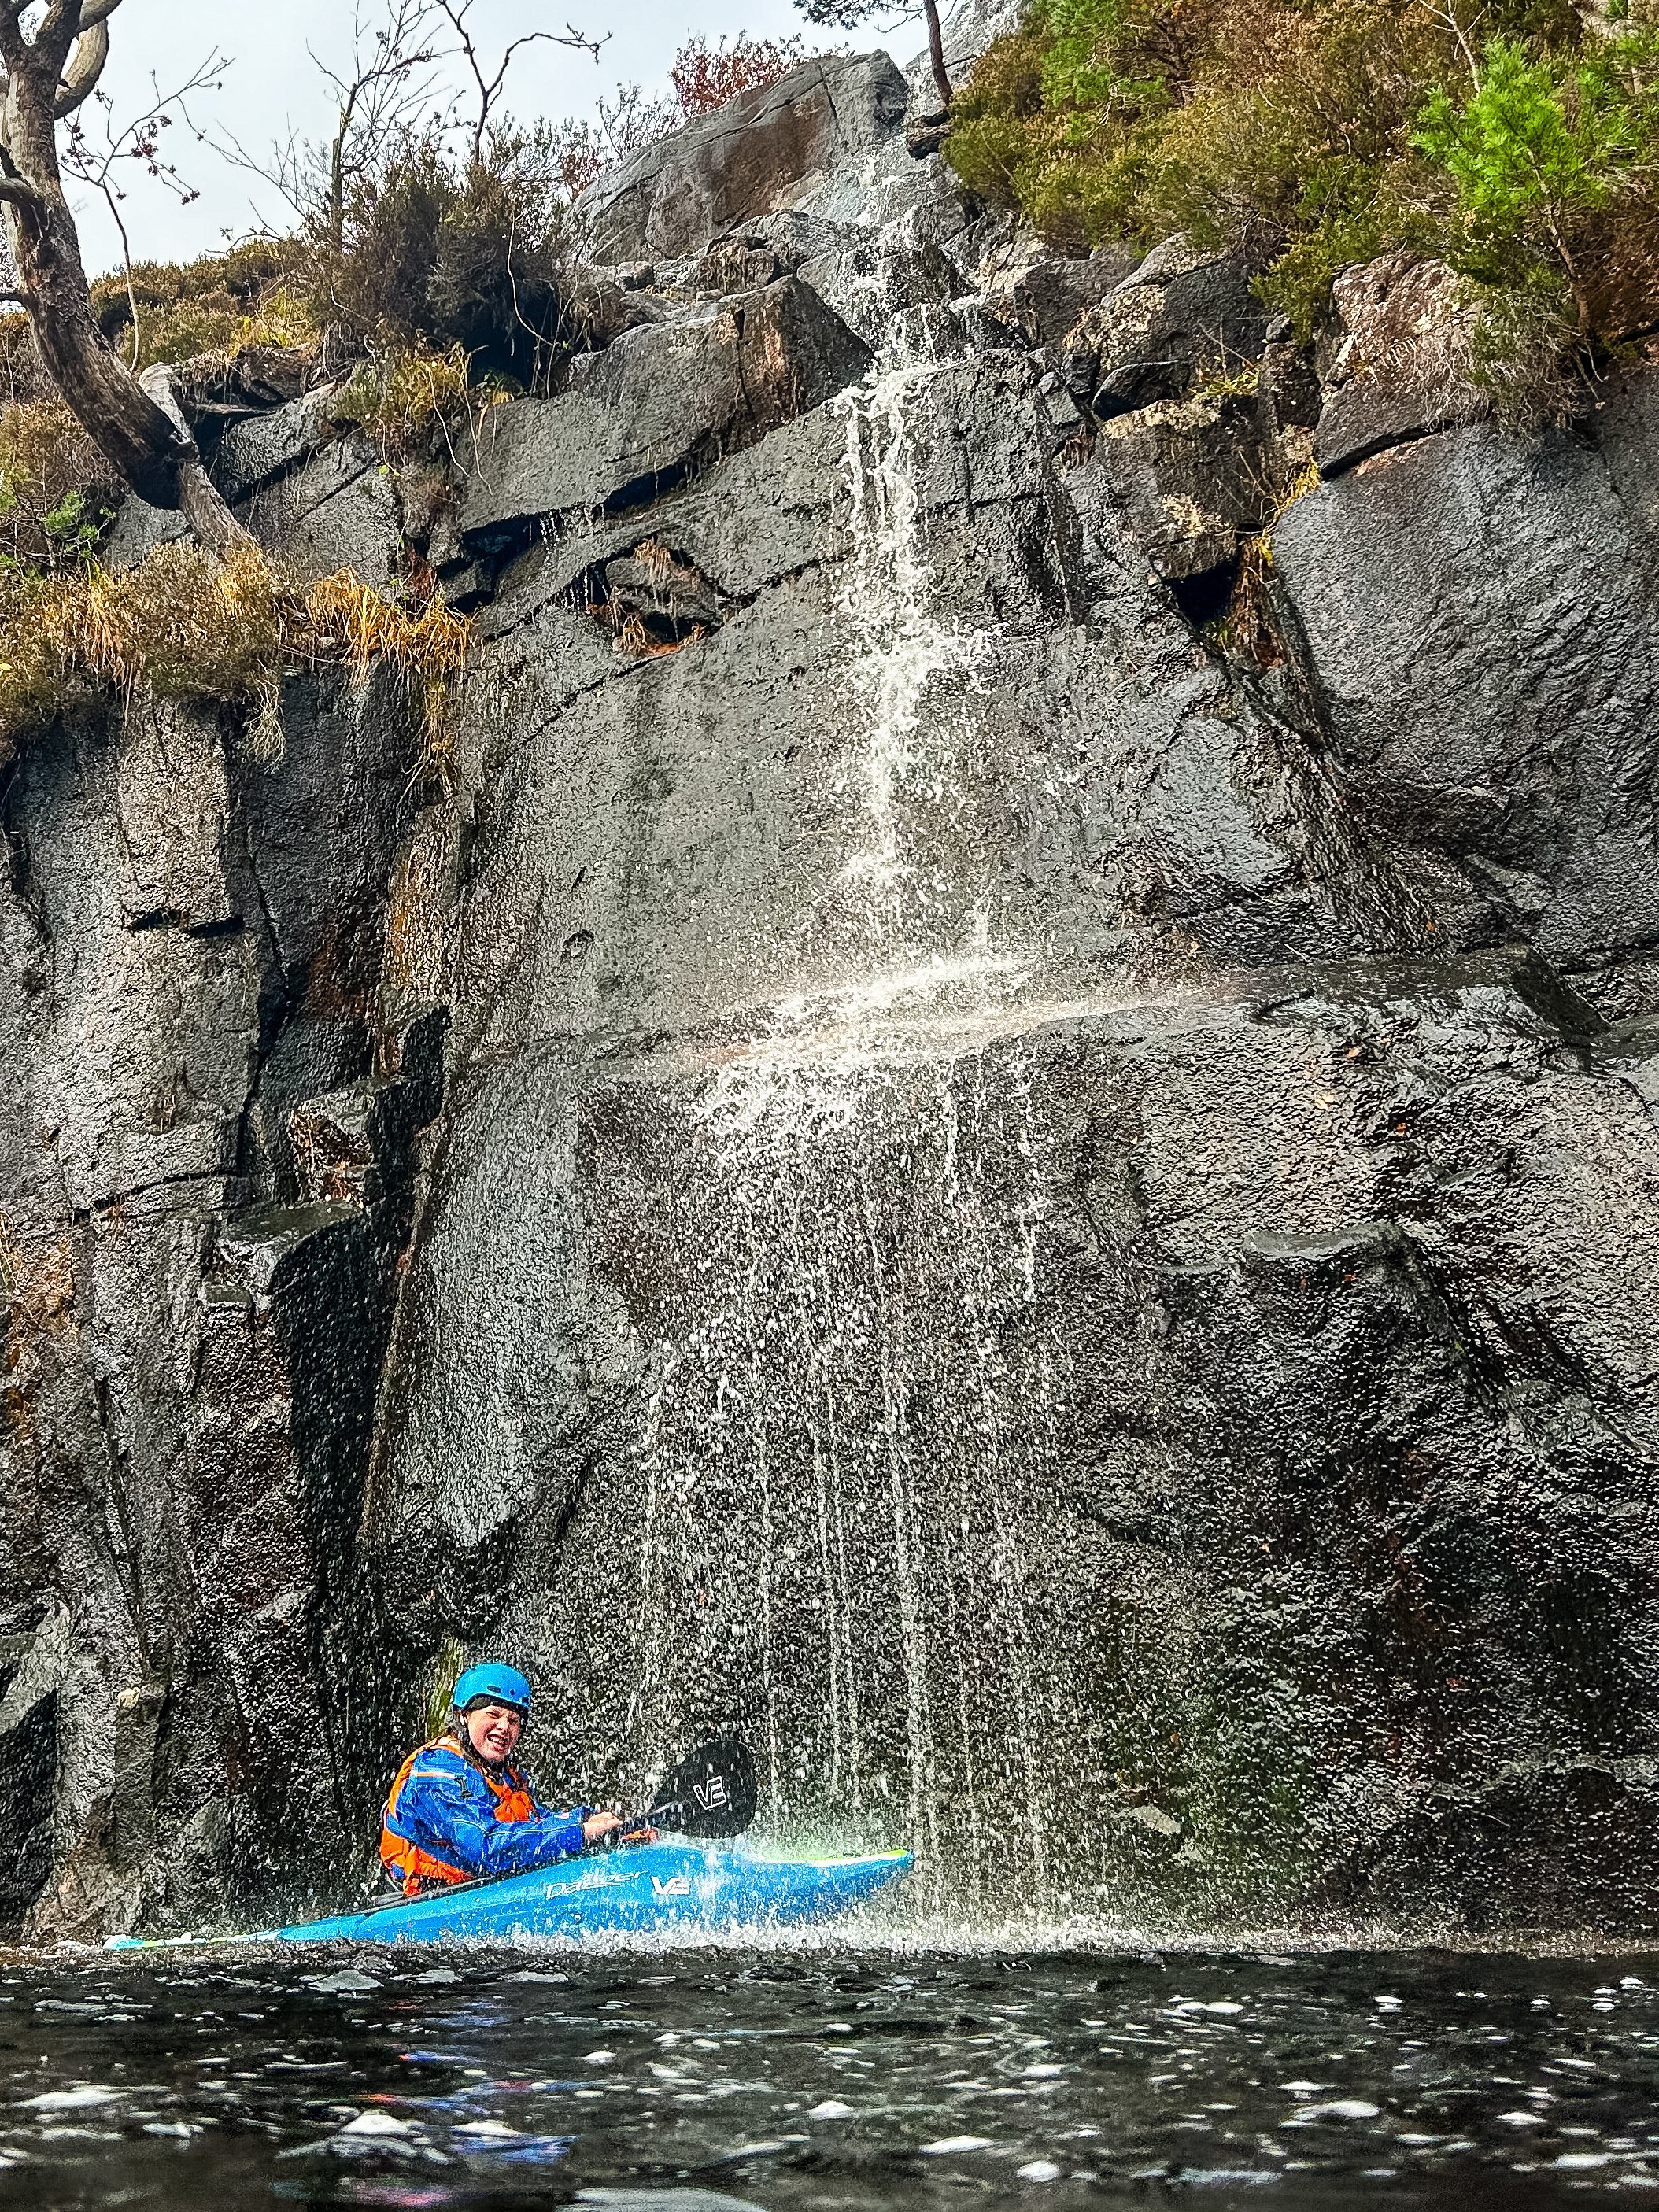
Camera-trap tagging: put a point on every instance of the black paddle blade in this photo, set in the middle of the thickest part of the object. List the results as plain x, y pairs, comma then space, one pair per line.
710, 1793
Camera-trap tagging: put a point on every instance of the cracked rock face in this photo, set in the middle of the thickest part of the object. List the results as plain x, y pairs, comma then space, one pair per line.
762, 153
1526, 767
1401, 367
1001, 1130
654, 408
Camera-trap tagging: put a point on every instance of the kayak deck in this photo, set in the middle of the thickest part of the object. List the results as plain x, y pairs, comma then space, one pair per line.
679, 1888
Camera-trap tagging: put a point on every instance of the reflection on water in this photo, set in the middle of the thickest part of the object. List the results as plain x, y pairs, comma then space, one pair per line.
825, 2079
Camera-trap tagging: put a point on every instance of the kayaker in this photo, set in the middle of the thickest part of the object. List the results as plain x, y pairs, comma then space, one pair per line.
459, 1808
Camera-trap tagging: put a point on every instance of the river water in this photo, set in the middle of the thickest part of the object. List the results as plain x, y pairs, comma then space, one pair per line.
825, 2078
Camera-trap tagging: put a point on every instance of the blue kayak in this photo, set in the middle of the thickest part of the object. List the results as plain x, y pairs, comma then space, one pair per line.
680, 1889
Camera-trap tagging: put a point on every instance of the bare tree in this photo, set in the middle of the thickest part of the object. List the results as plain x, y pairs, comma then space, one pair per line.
849, 14
489, 88
382, 93
97, 160
50, 71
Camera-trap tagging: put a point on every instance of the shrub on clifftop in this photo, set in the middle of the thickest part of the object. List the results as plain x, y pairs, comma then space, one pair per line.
440, 252
1312, 135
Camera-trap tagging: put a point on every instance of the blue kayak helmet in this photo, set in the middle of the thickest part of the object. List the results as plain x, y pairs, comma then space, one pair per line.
492, 1684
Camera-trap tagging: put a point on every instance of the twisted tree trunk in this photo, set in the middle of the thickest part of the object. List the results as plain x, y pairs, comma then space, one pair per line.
936, 55
145, 439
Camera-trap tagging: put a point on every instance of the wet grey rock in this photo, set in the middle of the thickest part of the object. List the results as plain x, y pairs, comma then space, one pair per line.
1184, 317
138, 529
332, 1143
1048, 293
796, 237
968, 30
877, 1069
602, 306
1195, 475
1528, 768
1360, 419
755, 155
655, 408
737, 263
186, 1387
763, 515
867, 281
1399, 365
253, 452
1289, 382
338, 510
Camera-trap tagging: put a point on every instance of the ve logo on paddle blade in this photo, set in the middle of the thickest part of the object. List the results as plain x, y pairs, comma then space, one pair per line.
673, 1885
710, 1793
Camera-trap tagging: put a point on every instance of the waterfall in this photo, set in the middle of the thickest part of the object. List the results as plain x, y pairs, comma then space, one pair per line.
848, 1400
905, 655
851, 1389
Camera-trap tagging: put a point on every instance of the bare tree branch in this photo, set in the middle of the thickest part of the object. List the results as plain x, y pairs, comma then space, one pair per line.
381, 91
139, 140
490, 89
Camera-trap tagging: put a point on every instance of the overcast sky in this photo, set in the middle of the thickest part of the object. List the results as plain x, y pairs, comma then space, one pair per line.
273, 86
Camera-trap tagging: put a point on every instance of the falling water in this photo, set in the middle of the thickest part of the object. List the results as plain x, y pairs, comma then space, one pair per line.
907, 698
851, 1402
850, 1382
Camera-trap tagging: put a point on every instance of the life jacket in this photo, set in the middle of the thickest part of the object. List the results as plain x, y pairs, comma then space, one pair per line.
419, 1868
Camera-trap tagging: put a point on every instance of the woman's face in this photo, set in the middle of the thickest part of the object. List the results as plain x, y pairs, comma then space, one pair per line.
494, 1730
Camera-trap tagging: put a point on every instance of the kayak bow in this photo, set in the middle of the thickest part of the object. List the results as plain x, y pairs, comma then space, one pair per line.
679, 1888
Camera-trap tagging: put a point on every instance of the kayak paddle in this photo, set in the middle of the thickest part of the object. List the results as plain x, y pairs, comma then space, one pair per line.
712, 1792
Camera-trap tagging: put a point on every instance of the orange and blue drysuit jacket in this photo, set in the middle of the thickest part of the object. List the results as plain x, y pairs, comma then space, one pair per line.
446, 1820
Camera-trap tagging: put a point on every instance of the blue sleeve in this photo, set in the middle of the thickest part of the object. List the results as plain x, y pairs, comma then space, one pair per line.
452, 1814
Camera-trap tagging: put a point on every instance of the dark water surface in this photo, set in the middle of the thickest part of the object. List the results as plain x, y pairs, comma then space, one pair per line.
827, 2079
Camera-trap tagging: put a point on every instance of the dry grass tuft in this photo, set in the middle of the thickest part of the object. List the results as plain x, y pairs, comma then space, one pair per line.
659, 563
57, 490
398, 398
634, 635
181, 626
1300, 482
245, 296
348, 620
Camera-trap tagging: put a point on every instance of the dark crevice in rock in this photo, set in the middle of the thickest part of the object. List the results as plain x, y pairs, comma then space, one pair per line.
28, 1772
274, 1004
1383, 441
165, 917
1204, 598
650, 599
110, 1202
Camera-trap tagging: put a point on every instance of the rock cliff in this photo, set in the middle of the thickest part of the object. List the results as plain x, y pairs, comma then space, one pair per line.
996, 1118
